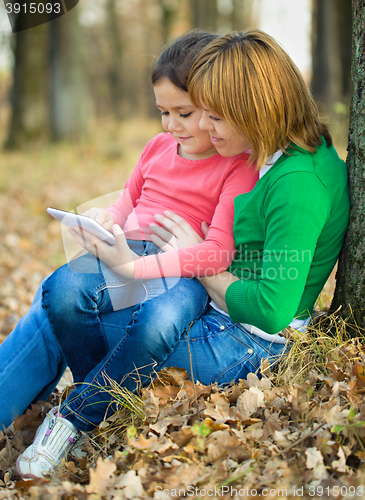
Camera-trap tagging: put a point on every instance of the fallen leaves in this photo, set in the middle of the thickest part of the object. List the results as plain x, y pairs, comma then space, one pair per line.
246, 436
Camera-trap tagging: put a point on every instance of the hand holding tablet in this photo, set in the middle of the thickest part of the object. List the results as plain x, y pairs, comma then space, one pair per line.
87, 223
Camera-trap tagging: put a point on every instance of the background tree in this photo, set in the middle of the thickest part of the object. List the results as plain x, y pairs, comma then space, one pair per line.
116, 49
351, 271
204, 14
67, 105
326, 60
48, 93
29, 95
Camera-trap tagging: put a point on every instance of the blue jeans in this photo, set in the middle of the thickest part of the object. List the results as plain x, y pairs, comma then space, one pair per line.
144, 337
76, 294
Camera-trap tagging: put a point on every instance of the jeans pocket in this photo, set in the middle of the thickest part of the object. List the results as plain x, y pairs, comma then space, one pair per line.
240, 357
240, 368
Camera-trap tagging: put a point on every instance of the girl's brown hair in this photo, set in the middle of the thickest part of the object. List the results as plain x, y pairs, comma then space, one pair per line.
249, 80
176, 60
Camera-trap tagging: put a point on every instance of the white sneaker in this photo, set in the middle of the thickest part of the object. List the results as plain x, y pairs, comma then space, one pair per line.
53, 441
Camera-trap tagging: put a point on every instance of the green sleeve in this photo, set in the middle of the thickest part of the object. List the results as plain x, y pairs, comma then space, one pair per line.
294, 213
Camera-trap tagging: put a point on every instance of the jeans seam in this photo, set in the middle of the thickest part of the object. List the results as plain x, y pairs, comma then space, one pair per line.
246, 358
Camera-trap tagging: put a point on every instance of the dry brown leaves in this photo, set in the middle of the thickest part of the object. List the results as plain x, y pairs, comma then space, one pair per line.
251, 436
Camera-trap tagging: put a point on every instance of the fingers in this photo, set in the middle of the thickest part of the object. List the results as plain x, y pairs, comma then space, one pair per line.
101, 216
171, 225
179, 221
161, 232
165, 247
119, 235
205, 229
86, 240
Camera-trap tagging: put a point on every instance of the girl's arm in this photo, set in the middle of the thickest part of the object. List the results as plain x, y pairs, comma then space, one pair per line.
207, 258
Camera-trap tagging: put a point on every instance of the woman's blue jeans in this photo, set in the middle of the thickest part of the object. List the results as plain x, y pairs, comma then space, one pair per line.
132, 343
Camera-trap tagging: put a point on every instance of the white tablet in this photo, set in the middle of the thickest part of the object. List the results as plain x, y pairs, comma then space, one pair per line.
87, 223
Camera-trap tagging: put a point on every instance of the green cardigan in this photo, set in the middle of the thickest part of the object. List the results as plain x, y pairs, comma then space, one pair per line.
288, 231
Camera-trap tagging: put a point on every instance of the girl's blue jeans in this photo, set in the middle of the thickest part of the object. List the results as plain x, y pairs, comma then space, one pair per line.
127, 345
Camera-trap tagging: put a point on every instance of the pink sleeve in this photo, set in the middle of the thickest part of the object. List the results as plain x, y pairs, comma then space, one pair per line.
128, 197
215, 254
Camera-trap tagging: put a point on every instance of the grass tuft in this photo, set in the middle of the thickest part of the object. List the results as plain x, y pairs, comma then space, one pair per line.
326, 340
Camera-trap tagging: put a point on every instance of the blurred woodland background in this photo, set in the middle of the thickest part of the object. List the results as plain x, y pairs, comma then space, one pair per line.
76, 107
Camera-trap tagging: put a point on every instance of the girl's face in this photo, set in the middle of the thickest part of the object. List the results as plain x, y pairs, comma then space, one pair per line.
181, 119
226, 140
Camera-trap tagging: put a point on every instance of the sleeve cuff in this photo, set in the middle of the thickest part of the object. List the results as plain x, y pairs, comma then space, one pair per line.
236, 300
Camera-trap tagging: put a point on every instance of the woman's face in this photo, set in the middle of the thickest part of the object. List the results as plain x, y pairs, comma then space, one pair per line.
226, 140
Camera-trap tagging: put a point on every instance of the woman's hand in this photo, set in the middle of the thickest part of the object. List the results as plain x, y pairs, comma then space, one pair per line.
175, 232
216, 287
119, 257
101, 216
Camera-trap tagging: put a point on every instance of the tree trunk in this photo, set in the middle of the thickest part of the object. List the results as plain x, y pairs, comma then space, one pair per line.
351, 271
115, 69
29, 96
345, 35
245, 14
205, 14
169, 11
68, 96
327, 71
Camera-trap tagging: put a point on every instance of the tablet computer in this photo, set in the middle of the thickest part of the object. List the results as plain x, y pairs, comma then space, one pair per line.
71, 220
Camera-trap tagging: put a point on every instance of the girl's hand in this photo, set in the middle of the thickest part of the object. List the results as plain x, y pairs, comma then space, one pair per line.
176, 232
101, 216
119, 257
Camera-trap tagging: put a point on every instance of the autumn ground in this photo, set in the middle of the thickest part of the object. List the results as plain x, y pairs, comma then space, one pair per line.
299, 431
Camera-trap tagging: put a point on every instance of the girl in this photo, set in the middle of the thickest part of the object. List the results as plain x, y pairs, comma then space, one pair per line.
181, 171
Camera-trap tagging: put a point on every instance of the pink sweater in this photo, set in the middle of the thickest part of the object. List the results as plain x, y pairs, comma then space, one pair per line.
197, 190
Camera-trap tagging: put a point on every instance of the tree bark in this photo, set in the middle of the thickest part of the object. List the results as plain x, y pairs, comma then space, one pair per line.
351, 271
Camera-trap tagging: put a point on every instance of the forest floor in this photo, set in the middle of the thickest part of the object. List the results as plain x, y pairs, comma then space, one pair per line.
297, 432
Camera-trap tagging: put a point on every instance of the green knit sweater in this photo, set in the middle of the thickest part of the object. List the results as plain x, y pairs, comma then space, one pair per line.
288, 231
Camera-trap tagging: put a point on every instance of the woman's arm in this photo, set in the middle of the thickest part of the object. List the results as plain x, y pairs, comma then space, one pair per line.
216, 287
176, 233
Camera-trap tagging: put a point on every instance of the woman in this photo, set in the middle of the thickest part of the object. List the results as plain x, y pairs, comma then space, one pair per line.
288, 230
